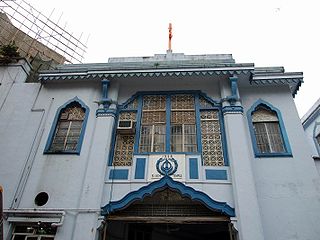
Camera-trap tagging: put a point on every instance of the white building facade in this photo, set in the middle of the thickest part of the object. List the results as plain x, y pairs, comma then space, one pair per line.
311, 125
172, 146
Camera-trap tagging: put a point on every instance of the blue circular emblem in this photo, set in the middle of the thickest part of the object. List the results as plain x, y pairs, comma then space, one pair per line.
167, 165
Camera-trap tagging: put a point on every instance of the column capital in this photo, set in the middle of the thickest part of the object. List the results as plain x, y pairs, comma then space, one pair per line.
232, 110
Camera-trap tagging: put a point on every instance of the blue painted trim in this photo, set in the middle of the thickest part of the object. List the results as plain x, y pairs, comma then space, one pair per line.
163, 183
119, 174
105, 100
214, 102
140, 168
232, 109
113, 139
138, 126
234, 90
287, 149
193, 168
103, 112
224, 139
168, 123
54, 127
198, 120
214, 174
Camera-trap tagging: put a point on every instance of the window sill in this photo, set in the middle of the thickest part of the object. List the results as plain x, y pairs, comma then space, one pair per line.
62, 152
271, 155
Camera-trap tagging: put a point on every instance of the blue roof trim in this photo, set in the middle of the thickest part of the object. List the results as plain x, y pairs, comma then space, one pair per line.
143, 73
294, 80
163, 183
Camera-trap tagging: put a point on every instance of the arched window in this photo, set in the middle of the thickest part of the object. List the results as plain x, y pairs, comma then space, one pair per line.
267, 131
68, 129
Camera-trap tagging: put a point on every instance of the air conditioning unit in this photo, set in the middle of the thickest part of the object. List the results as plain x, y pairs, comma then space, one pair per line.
126, 127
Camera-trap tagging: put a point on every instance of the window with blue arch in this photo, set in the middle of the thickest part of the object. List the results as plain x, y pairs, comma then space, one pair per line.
267, 130
68, 128
187, 122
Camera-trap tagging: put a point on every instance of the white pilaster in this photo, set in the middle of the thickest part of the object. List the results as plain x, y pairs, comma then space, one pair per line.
248, 216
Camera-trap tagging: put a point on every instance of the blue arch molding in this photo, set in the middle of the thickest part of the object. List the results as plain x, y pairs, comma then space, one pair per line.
54, 126
287, 150
163, 183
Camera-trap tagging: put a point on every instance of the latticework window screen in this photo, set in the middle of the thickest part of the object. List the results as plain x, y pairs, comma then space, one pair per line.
183, 124
267, 131
153, 124
124, 143
212, 152
68, 129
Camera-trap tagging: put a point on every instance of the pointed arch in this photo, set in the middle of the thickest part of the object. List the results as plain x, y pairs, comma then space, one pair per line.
262, 106
84, 111
163, 183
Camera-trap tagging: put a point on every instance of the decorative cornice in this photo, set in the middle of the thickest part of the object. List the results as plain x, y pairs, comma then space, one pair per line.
232, 109
73, 75
163, 183
102, 112
293, 79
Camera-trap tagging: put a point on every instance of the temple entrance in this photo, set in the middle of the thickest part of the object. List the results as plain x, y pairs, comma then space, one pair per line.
167, 215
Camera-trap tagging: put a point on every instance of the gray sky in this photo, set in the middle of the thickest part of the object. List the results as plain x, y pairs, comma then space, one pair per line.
267, 33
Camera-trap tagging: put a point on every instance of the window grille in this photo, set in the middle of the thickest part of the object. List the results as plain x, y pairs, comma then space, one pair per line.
204, 103
132, 105
68, 129
183, 127
212, 152
153, 124
179, 122
124, 143
267, 131
34, 232
124, 150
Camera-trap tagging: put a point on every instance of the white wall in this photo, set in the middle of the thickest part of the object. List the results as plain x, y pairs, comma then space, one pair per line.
288, 187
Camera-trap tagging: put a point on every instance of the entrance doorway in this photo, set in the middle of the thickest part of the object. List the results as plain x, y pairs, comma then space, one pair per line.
167, 215
219, 230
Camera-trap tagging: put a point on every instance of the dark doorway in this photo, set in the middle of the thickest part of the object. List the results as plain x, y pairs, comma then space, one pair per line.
212, 231
168, 215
